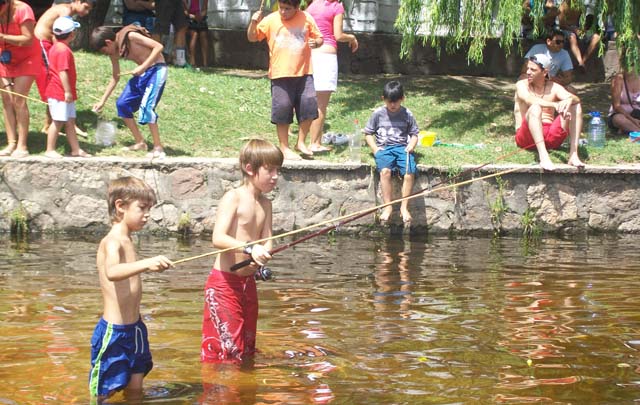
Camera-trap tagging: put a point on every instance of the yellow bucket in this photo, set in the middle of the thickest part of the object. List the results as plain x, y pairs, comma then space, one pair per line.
426, 138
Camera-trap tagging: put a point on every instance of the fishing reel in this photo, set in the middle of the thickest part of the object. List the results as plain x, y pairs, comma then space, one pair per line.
263, 274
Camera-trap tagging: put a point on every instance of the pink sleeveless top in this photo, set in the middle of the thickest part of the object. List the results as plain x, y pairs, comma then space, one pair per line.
324, 11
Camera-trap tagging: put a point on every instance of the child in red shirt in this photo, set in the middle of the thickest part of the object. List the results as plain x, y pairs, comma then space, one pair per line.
61, 89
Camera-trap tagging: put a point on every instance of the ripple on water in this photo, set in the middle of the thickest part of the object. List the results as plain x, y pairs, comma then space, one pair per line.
362, 320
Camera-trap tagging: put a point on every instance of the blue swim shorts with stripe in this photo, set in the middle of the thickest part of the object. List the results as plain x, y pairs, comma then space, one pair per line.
117, 352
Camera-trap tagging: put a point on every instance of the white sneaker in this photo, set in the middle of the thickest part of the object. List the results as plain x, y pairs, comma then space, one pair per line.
340, 139
328, 138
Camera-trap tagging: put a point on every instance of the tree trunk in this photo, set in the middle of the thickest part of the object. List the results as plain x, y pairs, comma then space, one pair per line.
88, 23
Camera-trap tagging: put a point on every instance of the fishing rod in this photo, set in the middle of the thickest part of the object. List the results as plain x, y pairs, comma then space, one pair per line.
357, 215
369, 211
23, 96
333, 220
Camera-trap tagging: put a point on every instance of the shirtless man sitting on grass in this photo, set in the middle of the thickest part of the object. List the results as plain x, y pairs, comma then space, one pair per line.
548, 114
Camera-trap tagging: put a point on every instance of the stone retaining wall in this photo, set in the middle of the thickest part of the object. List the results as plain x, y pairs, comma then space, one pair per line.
69, 195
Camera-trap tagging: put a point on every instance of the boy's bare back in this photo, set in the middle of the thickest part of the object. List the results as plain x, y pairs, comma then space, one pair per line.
140, 47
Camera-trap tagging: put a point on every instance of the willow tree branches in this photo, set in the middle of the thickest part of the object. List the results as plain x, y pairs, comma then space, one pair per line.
470, 23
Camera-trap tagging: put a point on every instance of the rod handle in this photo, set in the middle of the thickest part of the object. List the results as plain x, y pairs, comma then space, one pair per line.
242, 264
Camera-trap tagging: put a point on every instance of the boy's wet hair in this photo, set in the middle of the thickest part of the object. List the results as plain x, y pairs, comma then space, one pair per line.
99, 37
258, 153
128, 189
292, 3
393, 91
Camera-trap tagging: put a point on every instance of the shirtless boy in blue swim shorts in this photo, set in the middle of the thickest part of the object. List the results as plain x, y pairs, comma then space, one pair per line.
120, 356
144, 89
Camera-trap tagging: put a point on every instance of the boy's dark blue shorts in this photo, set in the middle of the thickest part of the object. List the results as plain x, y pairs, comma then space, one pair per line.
395, 157
289, 94
117, 352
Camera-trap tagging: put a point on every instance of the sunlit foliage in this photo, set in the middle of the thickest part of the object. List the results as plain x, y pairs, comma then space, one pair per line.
470, 23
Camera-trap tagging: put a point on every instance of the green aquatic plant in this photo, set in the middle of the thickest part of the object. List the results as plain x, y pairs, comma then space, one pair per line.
19, 221
452, 172
184, 224
331, 237
497, 206
530, 227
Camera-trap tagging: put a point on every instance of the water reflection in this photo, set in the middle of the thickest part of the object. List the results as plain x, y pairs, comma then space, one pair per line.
349, 320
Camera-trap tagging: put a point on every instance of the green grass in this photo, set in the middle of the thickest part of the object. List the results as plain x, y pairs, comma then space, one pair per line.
212, 113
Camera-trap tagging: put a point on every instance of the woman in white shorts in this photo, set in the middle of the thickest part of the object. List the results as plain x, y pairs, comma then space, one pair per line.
329, 17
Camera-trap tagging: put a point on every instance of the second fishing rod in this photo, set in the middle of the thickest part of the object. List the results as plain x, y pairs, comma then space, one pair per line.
357, 215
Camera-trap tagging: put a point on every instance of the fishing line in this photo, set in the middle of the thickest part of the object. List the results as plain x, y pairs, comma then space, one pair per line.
22, 95
359, 214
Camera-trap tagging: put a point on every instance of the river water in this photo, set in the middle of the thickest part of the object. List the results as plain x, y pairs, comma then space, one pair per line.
347, 320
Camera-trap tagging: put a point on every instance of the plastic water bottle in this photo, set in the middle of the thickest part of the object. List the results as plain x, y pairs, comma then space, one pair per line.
355, 143
106, 133
597, 130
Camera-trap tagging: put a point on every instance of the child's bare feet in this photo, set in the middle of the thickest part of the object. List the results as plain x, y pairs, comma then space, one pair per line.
304, 151
8, 150
406, 215
52, 154
157, 153
291, 155
80, 153
136, 147
575, 162
547, 165
386, 214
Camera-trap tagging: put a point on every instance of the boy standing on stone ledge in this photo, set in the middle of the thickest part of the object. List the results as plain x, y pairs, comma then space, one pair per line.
291, 34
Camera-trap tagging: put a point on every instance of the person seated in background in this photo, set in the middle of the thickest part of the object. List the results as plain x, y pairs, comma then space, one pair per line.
624, 114
550, 12
569, 22
548, 113
561, 69
139, 12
